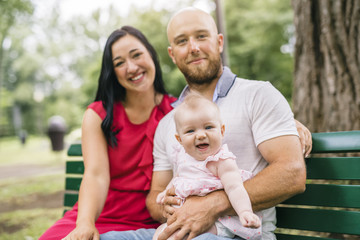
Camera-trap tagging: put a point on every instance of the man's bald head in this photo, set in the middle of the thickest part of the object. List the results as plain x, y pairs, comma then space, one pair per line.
186, 16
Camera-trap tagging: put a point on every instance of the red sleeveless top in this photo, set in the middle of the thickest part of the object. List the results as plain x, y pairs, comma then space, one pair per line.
131, 164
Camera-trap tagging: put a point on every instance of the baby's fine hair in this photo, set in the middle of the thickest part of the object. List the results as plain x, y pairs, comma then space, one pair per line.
194, 101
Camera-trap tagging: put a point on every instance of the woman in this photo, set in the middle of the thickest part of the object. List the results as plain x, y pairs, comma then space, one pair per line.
117, 141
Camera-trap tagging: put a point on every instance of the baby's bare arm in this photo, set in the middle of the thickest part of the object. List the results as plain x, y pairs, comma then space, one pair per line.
230, 177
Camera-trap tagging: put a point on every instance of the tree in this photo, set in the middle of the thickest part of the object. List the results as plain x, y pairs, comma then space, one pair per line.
257, 32
326, 93
11, 12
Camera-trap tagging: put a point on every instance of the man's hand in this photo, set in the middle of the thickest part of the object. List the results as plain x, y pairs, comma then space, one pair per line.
305, 138
196, 216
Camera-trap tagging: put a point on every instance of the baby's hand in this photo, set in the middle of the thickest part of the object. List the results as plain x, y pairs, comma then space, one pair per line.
160, 197
249, 219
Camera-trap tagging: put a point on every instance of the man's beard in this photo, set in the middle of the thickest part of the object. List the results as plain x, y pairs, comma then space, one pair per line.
202, 75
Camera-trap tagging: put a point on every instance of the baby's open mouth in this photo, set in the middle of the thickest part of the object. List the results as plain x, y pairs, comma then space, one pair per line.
202, 145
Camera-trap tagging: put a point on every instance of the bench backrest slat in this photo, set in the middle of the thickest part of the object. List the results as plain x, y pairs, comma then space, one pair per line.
73, 183
331, 202
297, 237
75, 150
321, 220
336, 142
69, 200
333, 168
75, 167
345, 196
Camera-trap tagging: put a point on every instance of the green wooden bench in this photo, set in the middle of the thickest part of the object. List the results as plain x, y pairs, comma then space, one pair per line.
325, 207
331, 206
74, 171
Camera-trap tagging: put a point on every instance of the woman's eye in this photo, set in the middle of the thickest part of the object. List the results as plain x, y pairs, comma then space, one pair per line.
137, 55
119, 64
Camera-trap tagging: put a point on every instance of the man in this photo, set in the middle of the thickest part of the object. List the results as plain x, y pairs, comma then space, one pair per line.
260, 131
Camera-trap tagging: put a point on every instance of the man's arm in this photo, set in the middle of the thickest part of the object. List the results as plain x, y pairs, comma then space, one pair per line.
284, 177
160, 180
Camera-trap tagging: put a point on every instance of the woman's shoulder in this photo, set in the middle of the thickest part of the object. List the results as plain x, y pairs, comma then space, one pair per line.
98, 107
166, 102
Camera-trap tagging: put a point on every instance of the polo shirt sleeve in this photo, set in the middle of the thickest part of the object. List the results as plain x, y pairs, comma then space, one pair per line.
271, 115
161, 156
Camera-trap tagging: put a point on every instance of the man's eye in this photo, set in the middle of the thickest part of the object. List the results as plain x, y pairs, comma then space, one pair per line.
181, 41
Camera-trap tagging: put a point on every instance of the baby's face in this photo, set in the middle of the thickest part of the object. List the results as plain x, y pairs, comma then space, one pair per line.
200, 132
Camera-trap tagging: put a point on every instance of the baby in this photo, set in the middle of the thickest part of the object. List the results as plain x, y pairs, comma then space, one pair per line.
203, 164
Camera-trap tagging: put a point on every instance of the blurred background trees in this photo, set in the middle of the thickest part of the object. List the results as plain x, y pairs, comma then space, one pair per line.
50, 65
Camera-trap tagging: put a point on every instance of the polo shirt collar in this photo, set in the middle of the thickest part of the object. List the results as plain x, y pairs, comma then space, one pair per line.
222, 88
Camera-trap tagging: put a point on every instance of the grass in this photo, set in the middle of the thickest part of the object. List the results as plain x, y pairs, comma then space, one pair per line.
36, 150
29, 224
21, 188
26, 210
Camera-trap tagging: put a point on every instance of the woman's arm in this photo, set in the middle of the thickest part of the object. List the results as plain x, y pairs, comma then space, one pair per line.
95, 184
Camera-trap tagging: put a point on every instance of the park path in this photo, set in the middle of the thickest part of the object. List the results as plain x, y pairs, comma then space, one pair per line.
29, 170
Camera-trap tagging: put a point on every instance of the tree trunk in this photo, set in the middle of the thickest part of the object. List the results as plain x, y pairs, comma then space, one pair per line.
326, 93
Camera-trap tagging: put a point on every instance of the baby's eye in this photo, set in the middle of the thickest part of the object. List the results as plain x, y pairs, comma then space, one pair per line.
189, 131
208, 127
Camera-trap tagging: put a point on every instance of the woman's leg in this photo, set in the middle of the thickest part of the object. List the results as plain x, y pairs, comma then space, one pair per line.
140, 234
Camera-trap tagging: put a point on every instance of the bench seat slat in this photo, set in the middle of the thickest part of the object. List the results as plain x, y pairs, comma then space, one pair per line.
346, 196
321, 220
336, 142
333, 168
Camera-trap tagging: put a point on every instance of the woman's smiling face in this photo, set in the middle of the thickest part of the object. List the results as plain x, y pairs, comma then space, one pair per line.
133, 65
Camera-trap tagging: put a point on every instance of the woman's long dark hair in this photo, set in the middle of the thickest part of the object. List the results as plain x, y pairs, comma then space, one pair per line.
109, 89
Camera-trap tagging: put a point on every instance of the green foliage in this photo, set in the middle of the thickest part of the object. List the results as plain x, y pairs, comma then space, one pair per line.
51, 66
11, 11
256, 31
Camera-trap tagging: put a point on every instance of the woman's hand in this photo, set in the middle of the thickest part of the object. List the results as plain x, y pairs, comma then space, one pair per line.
83, 232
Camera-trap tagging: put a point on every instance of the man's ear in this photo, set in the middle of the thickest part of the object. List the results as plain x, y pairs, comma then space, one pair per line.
178, 138
223, 129
221, 42
171, 55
